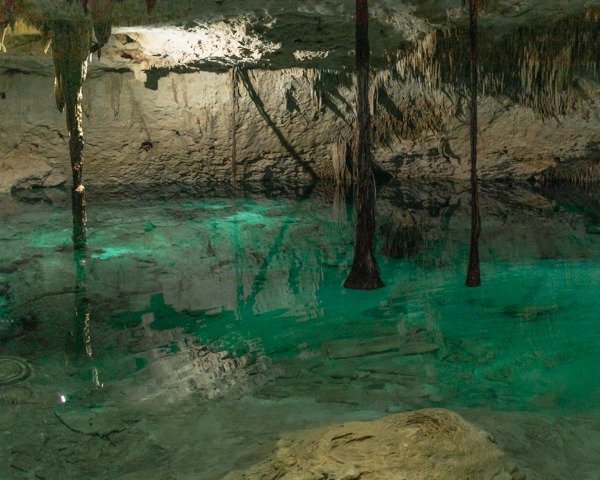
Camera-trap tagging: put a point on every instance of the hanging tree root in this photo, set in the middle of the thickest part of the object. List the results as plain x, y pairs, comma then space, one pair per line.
473, 272
365, 273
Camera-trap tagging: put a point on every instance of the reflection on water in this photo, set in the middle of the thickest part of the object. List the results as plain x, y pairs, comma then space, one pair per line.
210, 325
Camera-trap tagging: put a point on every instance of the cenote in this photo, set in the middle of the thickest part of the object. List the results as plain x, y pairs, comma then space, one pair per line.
212, 324
299, 240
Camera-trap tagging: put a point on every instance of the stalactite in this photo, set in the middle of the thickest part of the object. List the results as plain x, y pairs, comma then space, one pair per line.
419, 63
364, 274
581, 175
416, 113
340, 205
150, 4
101, 12
316, 97
113, 92
70, 52
473, 273
547, 69
234, 100
4, 29
341, 152
314, 77
7, 20
376, 82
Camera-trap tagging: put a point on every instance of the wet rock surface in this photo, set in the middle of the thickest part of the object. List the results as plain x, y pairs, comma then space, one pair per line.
426, 444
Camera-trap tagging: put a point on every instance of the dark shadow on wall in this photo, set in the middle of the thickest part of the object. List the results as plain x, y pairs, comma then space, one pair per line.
245, 78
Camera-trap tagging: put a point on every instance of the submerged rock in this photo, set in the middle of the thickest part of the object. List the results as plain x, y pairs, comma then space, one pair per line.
13, 395
530, 313
425, 444
352, 348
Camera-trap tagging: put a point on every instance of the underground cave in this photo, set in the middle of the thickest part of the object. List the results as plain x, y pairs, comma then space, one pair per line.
299, 239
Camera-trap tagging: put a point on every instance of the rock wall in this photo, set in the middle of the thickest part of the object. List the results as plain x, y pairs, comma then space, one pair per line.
180, 132
287, 125
248, 97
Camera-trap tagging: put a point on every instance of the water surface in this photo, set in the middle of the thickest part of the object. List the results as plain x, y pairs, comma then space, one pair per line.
200, 326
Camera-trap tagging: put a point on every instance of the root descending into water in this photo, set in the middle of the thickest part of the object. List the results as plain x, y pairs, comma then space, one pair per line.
365, 273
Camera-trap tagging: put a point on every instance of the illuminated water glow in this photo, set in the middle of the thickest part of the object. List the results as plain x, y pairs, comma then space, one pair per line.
232, 309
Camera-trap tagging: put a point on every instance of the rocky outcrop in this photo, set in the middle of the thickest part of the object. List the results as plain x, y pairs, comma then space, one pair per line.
422, 445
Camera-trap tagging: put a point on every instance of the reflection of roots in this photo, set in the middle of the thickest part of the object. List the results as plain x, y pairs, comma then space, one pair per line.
401, 241
364, 276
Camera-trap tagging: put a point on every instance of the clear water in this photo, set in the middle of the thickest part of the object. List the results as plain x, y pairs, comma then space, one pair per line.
200, 328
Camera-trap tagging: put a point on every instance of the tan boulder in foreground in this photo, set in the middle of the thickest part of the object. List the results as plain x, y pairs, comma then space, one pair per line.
422, 445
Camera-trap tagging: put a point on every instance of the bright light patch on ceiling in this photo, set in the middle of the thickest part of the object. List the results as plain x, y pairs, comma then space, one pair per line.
222, 42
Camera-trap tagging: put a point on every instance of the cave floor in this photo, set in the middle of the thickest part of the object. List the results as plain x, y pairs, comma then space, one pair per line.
196, 328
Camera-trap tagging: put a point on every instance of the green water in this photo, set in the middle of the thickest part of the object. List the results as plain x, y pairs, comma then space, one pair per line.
228, 315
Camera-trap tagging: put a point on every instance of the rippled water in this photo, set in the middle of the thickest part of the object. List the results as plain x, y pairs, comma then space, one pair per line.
201, 327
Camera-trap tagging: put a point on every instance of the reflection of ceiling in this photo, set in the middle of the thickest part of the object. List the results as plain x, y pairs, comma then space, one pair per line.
177, 366
549, 65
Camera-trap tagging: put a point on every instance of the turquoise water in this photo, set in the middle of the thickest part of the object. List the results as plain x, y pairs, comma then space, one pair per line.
228, 315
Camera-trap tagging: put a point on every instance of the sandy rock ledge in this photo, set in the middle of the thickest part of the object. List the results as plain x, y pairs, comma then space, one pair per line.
427, 444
